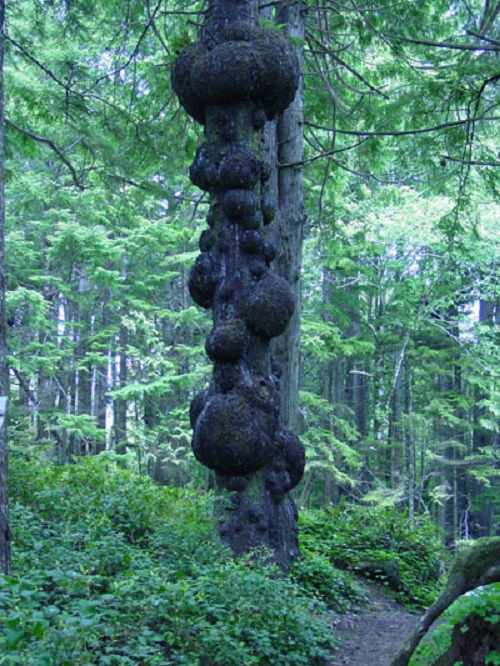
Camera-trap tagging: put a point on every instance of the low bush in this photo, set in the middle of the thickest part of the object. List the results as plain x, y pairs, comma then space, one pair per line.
349, 535
315, 574
112, 570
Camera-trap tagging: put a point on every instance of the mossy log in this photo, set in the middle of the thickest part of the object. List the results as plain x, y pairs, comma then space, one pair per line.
475, 565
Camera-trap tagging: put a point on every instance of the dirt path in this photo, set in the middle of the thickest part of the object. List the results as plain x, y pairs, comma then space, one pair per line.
371, 635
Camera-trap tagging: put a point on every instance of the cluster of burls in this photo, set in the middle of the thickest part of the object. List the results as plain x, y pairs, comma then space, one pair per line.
232, 83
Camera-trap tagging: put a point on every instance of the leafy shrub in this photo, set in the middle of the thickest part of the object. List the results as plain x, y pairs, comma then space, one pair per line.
348, 535
111, 570
315, 574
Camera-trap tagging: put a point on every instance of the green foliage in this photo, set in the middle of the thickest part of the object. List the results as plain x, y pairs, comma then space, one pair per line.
315, 573
483, 602
348, 535
110, 569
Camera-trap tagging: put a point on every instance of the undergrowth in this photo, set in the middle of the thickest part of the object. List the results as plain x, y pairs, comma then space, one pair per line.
347, 536
110, 569
482, 602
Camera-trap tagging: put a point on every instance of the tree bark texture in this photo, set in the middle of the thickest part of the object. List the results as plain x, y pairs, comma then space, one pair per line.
5, 544
232, 81
289, 225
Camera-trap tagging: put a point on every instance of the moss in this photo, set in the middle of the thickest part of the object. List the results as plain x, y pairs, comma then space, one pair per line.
238, 204
269, 306
232, 436
475, 564
203, 279
228, 73
227, 341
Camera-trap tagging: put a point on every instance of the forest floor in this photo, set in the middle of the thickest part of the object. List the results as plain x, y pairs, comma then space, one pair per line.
372, 634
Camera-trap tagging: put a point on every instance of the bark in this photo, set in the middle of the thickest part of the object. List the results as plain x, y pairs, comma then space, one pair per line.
119, 404
232, 81
5, 543
289, 226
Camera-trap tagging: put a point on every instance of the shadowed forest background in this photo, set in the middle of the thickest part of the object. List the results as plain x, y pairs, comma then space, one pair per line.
398, 400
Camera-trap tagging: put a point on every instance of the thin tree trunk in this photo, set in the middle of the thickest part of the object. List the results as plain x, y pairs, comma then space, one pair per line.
5, 542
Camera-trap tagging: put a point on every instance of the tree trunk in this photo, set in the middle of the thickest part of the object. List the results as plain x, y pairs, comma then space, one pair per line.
289, 226
5, 546
232, 81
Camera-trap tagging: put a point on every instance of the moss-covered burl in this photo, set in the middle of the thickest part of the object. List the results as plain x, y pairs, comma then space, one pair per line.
232, 81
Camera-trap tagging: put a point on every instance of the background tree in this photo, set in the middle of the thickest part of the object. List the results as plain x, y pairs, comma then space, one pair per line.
5, 554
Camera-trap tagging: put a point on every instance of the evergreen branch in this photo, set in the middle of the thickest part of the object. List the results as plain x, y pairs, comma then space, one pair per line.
470, 162
136, 49
348, 67
424, 130
479, 36
445, 45
51, 145
47, 71
470, 462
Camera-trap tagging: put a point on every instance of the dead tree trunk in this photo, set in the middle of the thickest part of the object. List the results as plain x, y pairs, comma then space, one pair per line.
232, 81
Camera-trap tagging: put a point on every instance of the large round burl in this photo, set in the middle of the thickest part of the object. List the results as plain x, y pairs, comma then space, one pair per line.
227, 340
203, 170
263, 68
269, 306
231, 436
291, 450
181, 81
196, 407
239, 169
203, 280
252, 242
238, 204
229, 73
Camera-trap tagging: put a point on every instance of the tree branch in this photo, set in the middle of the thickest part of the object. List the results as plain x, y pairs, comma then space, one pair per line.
137, 46
470, 162
424, 130
479, 36
445, 45
52, 145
